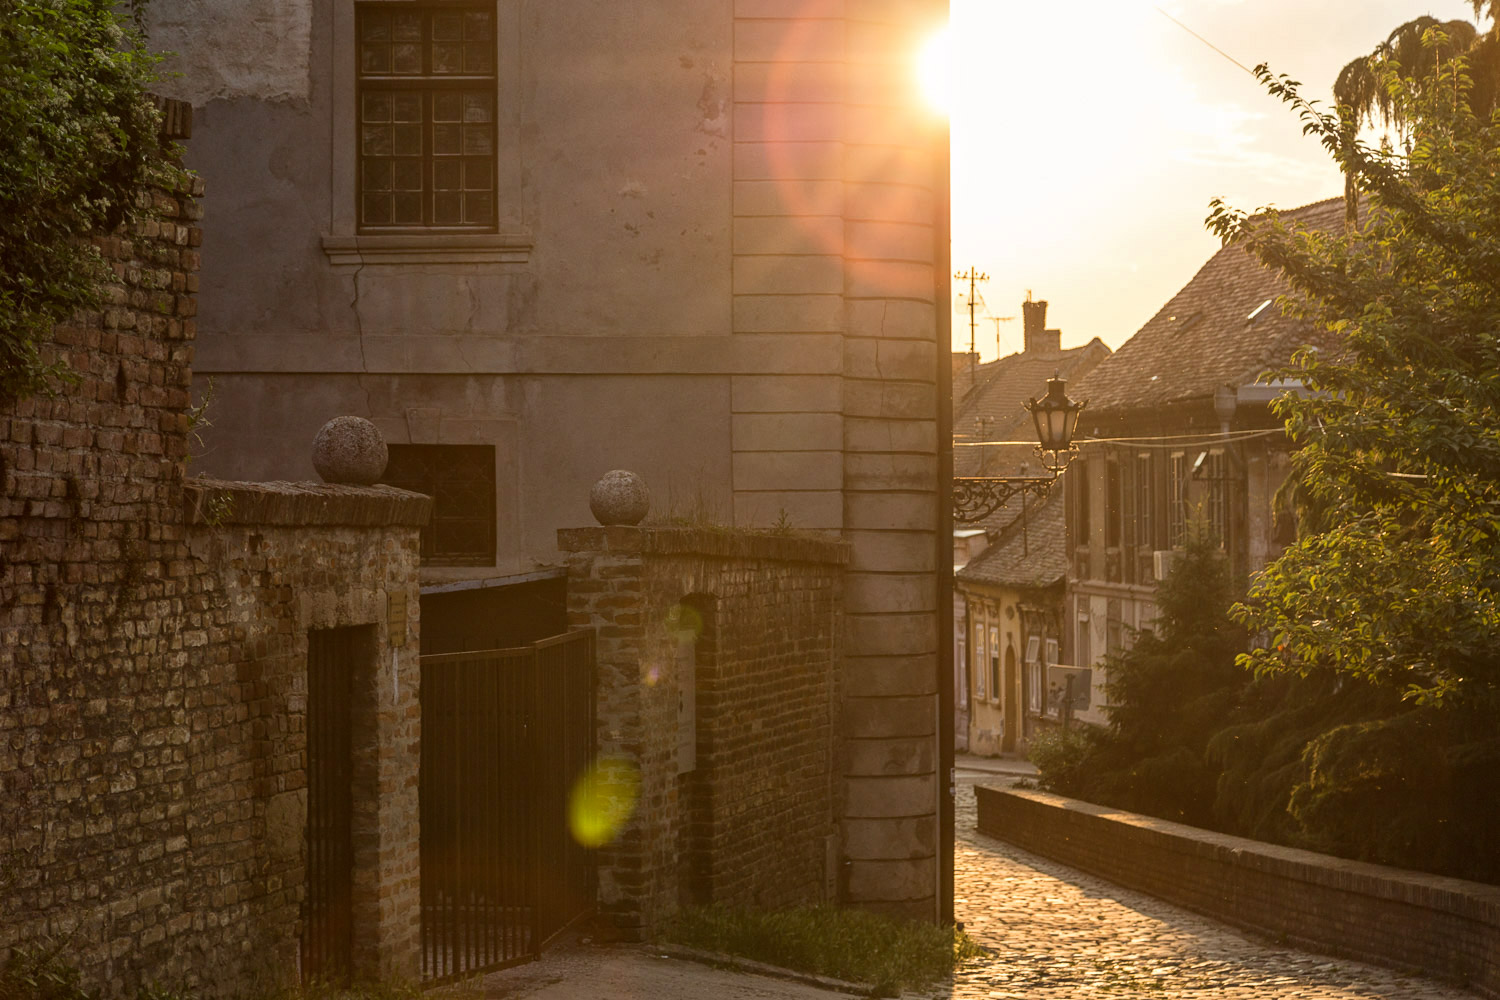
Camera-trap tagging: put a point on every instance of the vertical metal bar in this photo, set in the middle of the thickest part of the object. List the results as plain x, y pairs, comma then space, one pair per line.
328, 929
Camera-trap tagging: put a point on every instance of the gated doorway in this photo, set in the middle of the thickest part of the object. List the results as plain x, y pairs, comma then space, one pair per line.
333, 656
506, 734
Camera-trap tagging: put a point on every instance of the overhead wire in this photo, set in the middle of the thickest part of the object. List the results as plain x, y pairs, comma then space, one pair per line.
1160, 440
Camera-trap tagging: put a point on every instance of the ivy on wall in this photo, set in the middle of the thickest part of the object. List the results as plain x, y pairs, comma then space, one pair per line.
78, 134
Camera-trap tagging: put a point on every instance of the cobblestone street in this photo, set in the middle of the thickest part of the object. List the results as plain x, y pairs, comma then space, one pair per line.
1058, 933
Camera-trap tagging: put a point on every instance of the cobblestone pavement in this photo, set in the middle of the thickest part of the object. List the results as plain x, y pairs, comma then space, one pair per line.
1055, 932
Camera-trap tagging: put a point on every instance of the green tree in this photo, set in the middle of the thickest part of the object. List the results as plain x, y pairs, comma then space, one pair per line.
79, 136
1361, 89
1380, 625
1169, 693
1394, 577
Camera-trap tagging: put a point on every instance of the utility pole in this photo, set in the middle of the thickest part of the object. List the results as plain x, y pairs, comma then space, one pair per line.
972, 276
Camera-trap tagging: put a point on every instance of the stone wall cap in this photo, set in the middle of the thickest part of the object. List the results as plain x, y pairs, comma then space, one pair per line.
1439, 892
724, 543
217, 501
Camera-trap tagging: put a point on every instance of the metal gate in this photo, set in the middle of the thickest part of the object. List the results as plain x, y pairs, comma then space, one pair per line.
505, 735
328, 933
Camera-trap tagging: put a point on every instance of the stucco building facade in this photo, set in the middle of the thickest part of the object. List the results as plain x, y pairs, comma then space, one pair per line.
535, 242
1179, 437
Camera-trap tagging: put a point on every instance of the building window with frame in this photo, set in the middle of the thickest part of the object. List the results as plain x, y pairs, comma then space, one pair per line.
1114, 514
1218, 500
994, 652
460, 478
961, 664
1080, 486
1177, 503
1034, 674
427, 116
979, 670
1145, 516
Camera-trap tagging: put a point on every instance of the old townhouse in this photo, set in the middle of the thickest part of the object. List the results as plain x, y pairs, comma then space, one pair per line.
1179, 436
536, 242
1018, 550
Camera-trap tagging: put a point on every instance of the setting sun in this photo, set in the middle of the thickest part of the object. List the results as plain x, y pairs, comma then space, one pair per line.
935, 70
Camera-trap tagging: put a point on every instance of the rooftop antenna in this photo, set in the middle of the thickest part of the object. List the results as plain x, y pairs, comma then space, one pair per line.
997, 320
973, 275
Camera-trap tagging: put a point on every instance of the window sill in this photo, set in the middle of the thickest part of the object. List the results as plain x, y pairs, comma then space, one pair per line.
428, 248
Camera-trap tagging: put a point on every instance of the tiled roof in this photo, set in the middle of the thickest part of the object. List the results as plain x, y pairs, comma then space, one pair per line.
1030, 553
1204, 337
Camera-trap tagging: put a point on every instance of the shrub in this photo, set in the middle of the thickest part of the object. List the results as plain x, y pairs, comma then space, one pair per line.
80, 136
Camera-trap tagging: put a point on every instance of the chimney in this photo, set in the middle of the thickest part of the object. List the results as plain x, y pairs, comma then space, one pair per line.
1038, 339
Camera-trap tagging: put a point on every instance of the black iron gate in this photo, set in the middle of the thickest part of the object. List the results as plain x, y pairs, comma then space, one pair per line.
328, 932
506, 733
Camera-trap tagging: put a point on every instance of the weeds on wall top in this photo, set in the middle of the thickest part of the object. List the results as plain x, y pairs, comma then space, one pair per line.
79, 136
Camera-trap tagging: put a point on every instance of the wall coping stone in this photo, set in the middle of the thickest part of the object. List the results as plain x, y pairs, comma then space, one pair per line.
218, 502
1475, 902
723, 543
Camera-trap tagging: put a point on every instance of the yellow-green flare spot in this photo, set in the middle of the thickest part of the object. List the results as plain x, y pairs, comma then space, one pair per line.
603, 801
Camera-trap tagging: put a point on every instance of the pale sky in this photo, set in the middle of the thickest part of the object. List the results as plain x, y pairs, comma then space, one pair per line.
1088, 138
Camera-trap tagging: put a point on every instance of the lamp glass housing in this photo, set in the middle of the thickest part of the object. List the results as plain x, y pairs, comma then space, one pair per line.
1055, 416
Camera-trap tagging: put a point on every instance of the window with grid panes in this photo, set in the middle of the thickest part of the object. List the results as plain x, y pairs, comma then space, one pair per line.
1177, 502
460, 478
426, 101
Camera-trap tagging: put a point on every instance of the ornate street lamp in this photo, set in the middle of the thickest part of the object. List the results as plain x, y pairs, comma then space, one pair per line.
1056, 417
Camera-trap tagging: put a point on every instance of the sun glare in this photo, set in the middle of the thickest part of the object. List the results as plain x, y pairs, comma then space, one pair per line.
935, 70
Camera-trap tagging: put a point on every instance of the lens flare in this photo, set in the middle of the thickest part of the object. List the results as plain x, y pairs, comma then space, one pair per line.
603, 800
684, 621
935, 70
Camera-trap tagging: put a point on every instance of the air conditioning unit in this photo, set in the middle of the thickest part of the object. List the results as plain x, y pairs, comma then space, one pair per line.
1161, 563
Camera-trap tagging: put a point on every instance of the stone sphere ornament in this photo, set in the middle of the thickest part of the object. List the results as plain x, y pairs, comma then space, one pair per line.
349, 450
619, 497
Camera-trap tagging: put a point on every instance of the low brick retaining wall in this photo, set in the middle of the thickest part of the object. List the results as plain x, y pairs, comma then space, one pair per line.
1442, 927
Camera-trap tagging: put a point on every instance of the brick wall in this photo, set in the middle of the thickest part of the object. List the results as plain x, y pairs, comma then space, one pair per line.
1444, 927
752, 822
153, 641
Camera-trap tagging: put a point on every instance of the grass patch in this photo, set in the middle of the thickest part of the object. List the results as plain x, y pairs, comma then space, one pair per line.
889, 955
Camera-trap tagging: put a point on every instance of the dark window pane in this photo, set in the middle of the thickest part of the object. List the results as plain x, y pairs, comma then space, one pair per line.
461, 481
479, 57
445, 208
479, 209
408, 140
375, 58
447, 26
408, 108
375, 26
447, 59
445, 175
377, 140
446, 139
479, 26
446, 107
408, 209
408, 175
377, 175
377, 209
408, 27
479, 173
478, 106
478, 140
377, 107
406, 59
